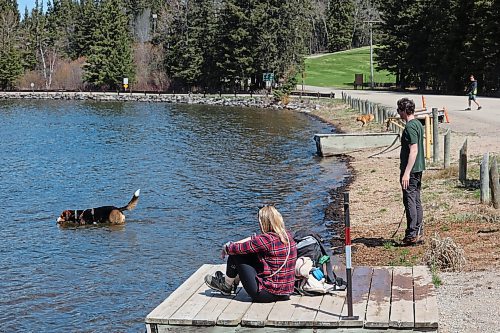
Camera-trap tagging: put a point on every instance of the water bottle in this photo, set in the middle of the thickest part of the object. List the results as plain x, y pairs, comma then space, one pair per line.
318, 274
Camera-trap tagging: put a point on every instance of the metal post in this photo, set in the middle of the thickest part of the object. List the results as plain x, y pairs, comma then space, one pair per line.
371, 55
348, 266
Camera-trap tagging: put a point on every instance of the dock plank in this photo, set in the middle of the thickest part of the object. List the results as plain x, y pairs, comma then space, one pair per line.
215, 306
426, 308
378, 309
185, 314
330, 310
305, 311
178, 297
236, 309
281, 314
402, 298
256, 315
361, 278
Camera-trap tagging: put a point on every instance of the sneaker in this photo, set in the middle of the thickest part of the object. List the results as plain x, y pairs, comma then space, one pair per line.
480, 107
467, 109
218, 282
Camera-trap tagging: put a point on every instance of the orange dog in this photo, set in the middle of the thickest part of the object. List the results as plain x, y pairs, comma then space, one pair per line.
365, 118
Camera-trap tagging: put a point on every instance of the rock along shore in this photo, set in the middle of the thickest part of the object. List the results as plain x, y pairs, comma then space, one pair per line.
258, 101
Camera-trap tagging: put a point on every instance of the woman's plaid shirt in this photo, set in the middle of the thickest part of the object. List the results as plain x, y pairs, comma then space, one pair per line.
271, 253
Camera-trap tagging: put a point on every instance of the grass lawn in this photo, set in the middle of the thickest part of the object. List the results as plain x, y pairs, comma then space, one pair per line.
338, 69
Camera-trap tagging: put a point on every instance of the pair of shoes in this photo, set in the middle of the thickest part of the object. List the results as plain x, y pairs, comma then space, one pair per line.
218, 282
480, 107
467, 109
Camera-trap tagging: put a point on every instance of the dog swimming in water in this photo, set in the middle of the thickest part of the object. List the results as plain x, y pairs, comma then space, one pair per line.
99, 215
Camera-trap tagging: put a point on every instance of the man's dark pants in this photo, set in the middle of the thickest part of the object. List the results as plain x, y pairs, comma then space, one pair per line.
413, 206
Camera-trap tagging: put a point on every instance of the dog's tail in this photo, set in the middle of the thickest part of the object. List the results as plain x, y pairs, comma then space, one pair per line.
132, 203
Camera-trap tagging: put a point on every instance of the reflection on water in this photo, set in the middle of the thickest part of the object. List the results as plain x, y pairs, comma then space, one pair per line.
203, 172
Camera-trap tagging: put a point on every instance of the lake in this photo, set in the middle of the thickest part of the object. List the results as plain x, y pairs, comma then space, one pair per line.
203, 172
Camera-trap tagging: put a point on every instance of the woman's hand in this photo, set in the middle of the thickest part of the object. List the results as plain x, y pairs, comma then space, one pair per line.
223, 252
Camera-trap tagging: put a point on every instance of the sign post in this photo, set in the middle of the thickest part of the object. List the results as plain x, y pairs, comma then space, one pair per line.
268, 78
125, 83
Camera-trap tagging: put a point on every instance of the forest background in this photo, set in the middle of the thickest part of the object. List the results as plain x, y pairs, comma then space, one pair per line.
227, 45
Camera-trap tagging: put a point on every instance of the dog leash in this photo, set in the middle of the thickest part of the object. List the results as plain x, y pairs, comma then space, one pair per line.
399, 225
387, 148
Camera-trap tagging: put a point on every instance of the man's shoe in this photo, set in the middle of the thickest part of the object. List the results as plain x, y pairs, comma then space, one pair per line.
218, 282
480, 107
467, 109
410, 241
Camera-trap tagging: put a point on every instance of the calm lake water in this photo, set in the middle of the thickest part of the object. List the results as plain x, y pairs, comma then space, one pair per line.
203, 172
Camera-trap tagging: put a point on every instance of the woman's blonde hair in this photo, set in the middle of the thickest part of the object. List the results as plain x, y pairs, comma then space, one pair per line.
271, 221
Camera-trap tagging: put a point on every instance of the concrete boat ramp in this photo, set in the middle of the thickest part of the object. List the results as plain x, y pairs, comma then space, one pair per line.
336, 144
385, 299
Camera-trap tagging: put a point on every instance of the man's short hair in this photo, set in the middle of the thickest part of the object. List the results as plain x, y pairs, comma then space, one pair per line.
406, 105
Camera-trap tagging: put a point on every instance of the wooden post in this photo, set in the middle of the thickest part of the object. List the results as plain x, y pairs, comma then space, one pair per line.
427, 137
462, 163
447, 143
435, 135
484, 178
494, 184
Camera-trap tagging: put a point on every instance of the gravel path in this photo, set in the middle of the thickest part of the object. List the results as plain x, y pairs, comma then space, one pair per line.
470, 302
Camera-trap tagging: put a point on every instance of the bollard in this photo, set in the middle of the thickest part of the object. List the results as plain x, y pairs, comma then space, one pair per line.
447, 143
427, 137
462, 163
348, 266
494, 184
435, 135
484, 178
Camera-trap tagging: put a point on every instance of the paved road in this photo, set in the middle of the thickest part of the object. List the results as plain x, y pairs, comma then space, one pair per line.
481, 127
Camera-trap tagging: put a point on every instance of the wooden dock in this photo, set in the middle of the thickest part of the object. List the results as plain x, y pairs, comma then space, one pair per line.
386, 299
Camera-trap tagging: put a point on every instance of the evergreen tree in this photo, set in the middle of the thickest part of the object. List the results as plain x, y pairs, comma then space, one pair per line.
234, 59
396, 32
85, 23
10, 56
189, 44
110, 58
340, 25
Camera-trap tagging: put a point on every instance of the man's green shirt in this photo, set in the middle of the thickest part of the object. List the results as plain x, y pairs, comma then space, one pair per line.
412, 134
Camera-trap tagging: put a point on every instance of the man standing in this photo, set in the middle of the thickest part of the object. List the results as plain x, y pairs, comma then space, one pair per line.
472, 91
412, 164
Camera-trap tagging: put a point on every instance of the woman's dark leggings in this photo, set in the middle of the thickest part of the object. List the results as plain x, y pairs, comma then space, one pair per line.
245, 265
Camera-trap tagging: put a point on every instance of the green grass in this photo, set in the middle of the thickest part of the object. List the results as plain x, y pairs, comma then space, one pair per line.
338, 69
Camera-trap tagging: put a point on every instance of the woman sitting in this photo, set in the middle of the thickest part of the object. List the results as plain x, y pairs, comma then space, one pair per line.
264, 263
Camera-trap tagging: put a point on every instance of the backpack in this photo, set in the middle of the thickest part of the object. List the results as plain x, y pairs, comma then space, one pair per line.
311, 255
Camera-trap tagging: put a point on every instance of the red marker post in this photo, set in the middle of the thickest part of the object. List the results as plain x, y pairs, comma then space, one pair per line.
348, 266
